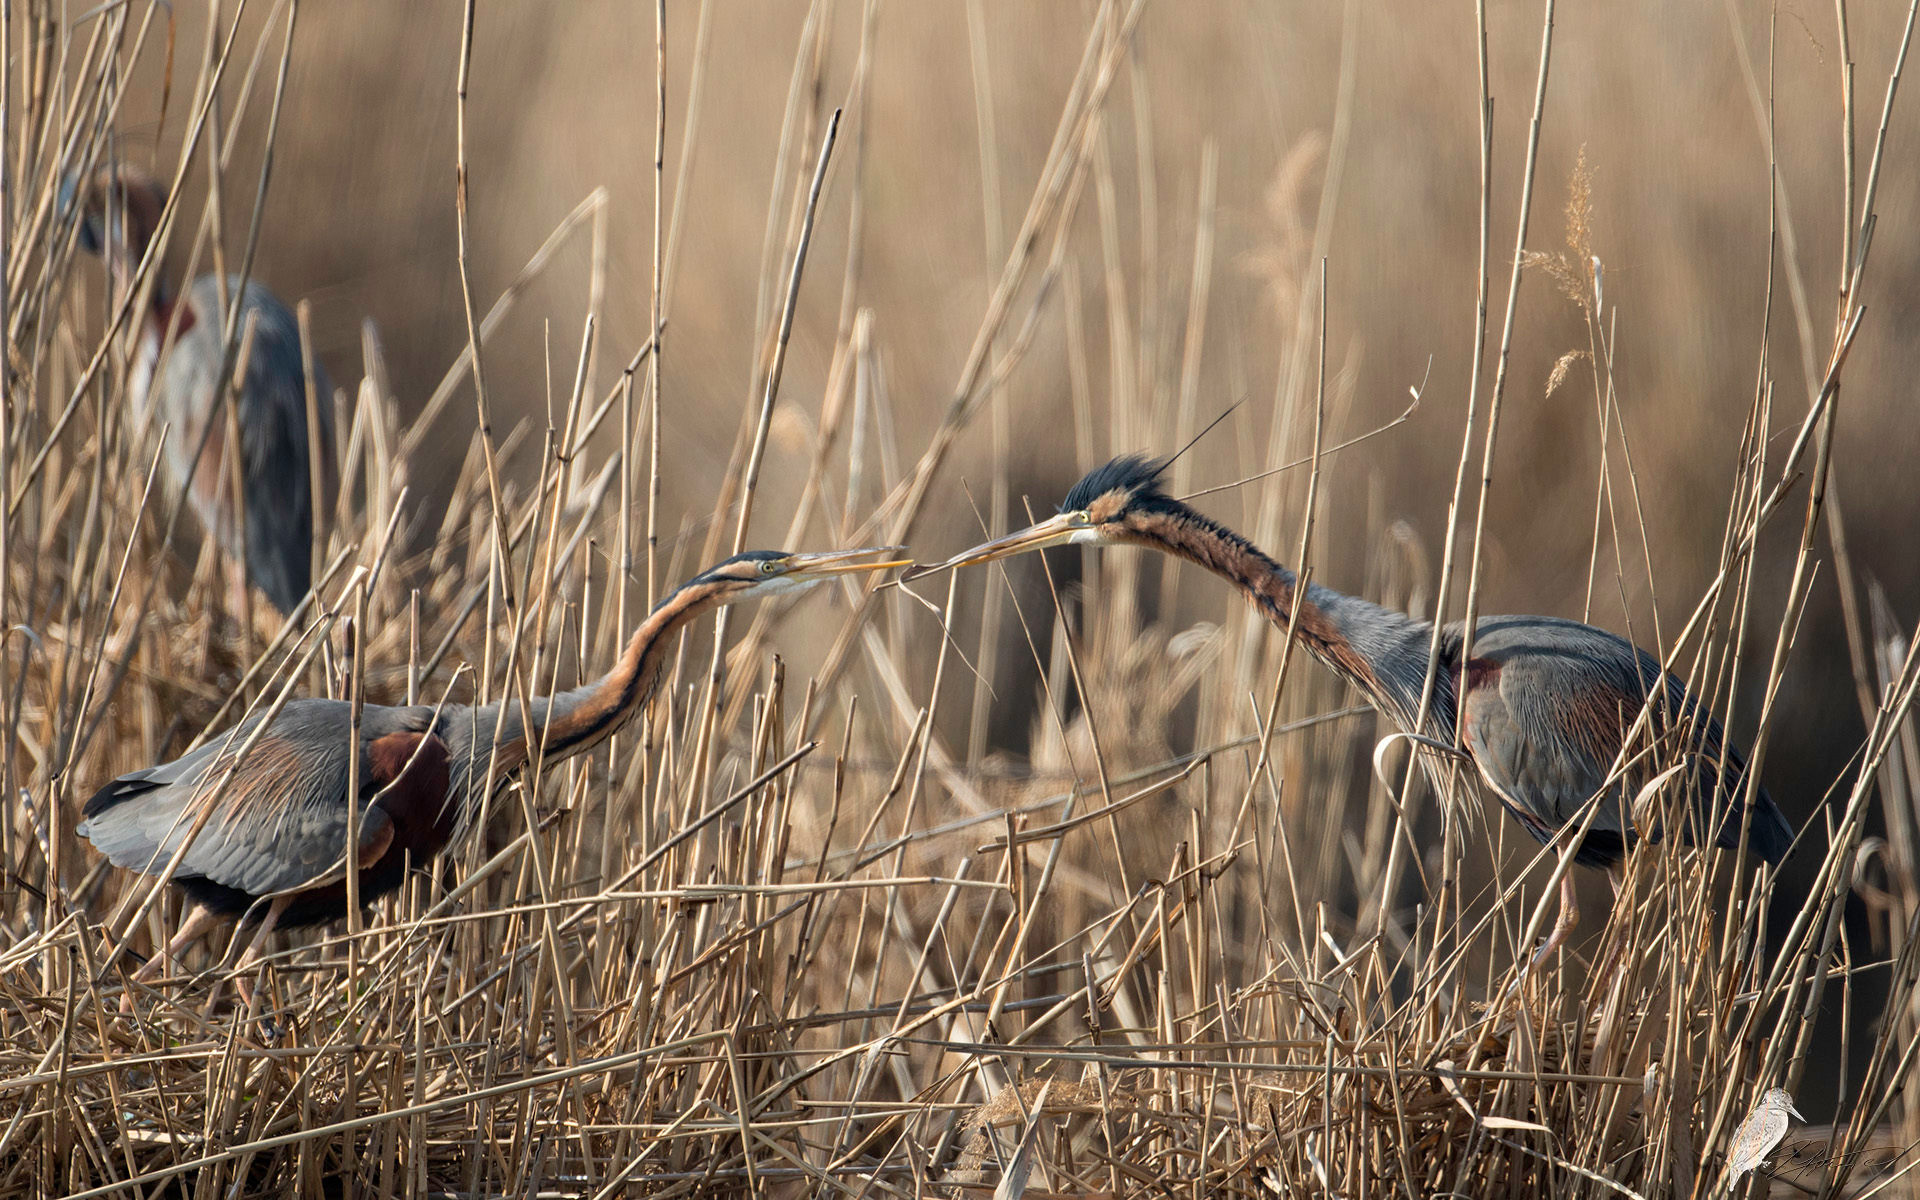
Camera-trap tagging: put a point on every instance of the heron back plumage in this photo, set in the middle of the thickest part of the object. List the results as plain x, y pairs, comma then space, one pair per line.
1547, 705
283, 819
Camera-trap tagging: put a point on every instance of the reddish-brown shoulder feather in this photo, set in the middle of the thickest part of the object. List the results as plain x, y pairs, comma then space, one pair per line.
412, 771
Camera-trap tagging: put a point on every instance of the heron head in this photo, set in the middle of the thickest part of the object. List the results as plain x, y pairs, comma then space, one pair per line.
1100, 510
757, 574
119, 209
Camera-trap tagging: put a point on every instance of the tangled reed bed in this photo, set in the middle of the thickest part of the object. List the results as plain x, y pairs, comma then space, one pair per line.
781, 938
690, 1049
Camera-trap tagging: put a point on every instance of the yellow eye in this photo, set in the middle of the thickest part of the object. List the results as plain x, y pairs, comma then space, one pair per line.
1079, 518
769, 566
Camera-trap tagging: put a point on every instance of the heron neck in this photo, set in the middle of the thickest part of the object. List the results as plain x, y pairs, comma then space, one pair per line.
153, 324
123, 262
1378, 650
508, 734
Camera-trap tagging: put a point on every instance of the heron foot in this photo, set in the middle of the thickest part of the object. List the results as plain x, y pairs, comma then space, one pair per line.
1563, 925
248, 1009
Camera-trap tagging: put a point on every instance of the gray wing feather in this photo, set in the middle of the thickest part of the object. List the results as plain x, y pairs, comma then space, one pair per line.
137, 820
283, 821
273, 432
1567, 692
1534, 746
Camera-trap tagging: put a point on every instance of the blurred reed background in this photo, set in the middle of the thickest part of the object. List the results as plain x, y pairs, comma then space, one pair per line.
964, 102
1187, 168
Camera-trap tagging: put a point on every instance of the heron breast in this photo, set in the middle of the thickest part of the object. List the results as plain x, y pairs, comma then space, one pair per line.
413, 772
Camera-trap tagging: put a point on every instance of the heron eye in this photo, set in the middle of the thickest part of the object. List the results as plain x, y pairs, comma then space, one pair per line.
1079, 518
769, 566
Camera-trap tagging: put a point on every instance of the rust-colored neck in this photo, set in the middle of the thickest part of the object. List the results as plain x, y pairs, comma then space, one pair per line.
1270, 586
1378, 650
560, 726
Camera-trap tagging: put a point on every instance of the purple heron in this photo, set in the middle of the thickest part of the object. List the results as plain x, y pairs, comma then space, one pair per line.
273, 850
119, 214
1544, 703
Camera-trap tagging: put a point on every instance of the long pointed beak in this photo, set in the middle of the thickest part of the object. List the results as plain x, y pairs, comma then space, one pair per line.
1053, 531
841, 562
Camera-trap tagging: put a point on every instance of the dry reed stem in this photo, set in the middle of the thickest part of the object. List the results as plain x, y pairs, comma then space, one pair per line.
746, 950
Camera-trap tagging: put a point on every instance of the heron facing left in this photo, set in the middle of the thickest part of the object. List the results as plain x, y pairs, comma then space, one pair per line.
119, 212
1544, 705
273, 849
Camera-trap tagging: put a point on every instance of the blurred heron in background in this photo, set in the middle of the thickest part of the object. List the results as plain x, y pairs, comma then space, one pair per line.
1544, 703
176, 384
272, 850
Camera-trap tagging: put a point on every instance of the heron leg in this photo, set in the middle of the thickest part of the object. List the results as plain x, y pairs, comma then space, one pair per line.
193, 927
242, 970
1616, 954
1562, 924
